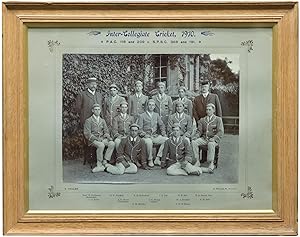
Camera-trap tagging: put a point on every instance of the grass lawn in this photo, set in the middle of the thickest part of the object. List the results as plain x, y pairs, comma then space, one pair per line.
227, 172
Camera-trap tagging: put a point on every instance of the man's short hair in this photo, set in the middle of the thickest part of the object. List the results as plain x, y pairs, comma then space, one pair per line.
211, 105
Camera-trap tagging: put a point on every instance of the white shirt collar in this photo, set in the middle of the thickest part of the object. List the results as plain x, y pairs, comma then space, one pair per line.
180, 115
92, 92
97, 118
133, 139
205, 94
138, 95
123, 115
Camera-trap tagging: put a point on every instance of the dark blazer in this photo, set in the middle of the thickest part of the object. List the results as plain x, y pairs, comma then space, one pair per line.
84, 104
121, 126
210, 128
185, 122
199, 105
132, 152
177, 151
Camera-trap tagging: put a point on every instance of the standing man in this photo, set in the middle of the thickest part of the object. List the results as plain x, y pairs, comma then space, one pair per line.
131, 154
137, 103
181, 118
188, 104
200, 102
112, 104
149, 122
86, 99
163, 103
121, 124
180, 155
97, 134
210, 131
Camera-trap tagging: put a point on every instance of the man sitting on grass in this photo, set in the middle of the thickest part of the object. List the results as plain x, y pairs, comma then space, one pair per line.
131, 154
180, 155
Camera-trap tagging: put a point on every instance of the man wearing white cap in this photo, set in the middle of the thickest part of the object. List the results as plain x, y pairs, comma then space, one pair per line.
112, 104
121, 124
96, 132
137, 103
131, 154
163, 103
86, 99
210, 131
151, 125
179, 155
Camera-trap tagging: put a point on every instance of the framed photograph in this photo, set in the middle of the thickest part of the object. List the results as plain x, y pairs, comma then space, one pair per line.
150, 118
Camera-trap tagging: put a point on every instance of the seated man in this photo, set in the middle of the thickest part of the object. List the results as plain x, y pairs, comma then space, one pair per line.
210, 131
149, 122
183, 119
96, 132
121, 124
131, 154
180, 155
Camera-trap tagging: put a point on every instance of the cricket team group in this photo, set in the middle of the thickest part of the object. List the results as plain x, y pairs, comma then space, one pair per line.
177, 129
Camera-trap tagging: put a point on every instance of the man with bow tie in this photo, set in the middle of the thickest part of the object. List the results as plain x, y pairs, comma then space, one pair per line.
86, 99
188, 104
200, 102
180, 155
96, 132
112, 104
153, 132
121, 124
210, 131
137, 103
163, 103
131, 154
183, 119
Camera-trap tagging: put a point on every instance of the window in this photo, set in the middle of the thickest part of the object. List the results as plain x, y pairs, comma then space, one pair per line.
160, 69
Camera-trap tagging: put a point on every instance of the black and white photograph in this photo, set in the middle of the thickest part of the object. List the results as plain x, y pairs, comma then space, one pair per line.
150, 118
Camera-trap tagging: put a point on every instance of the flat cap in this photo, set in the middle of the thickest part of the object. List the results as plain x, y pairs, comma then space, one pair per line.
179, 102
113, 86
135, 125
182, 88
96, 105
124, 103
211, 105
138, 83
91, 79
161, 84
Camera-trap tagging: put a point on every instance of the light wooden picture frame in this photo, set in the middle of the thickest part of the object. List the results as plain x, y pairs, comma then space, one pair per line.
281, 16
